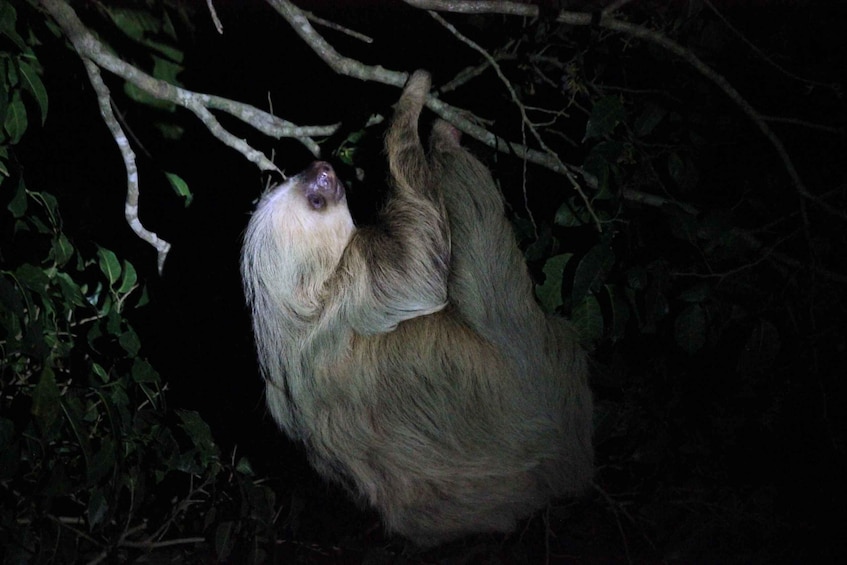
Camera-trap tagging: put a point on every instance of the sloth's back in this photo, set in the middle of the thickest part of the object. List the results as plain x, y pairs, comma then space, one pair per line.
445, 435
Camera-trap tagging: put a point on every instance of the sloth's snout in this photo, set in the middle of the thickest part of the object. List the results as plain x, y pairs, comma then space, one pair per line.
320, 178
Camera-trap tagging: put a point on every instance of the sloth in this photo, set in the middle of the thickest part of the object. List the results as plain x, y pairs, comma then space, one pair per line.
410, 358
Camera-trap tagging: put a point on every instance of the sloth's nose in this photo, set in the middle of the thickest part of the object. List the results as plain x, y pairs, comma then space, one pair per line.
322, 178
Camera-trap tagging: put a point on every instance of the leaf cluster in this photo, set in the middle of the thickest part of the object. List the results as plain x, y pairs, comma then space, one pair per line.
93, 462
20, 75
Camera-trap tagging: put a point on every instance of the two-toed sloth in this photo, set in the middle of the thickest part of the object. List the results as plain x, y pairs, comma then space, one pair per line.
410, 358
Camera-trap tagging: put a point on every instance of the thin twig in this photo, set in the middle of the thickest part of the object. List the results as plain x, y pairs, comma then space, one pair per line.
762, 55
339, 28
215, 19
526, 123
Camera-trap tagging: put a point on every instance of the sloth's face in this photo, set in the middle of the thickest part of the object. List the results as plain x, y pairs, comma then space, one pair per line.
310, 212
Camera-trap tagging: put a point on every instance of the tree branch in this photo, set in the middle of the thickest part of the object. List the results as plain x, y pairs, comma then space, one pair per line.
89, 47
95, 56
131, 205
356, 69
633, 30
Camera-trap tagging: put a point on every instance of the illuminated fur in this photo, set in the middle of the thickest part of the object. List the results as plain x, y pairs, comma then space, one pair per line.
419, 373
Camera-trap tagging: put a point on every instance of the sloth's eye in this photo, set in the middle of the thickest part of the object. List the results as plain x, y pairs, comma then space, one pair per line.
316, 201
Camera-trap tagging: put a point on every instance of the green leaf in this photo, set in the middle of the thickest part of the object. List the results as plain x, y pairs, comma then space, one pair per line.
143, 372
169, 130
180, 187
130, 342
690, 329
11, 76
606, 114
61, 251
8, 18
114, 322
165, 69
98, 370
109, 264
33, 278
550, 293
145, 298
601, 165
591, 271
198, 430
224, 541
15, 123
97, 507
18, 204
45, 401
49, 202
119, 398
355, 137
173, 54
683, 171
95, 332
571, 214
648, 120
244, 467
32, 83
587, 318
349, 147
129, 278
70, 290
596, 170
133, 22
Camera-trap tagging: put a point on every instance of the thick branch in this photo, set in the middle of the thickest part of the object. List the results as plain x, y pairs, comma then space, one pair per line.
95, 56
353, 68
299, 21
88, 46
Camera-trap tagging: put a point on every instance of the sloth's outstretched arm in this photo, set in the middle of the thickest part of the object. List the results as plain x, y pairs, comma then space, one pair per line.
399, 270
